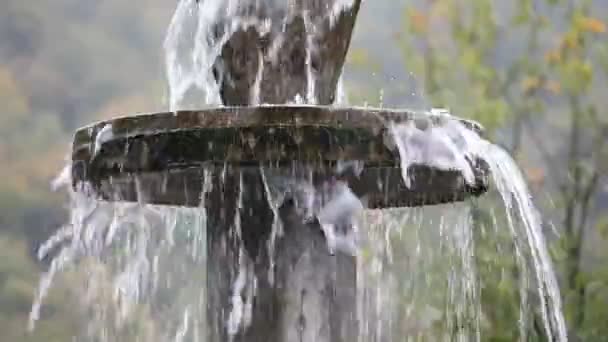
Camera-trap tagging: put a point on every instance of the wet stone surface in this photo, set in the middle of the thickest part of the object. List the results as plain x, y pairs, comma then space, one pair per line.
166, 153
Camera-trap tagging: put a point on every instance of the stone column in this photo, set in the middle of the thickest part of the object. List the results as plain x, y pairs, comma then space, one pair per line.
305, 42
311, 296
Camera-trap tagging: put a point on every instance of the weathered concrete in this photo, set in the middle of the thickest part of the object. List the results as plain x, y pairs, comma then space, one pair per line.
312, 295
301, 35
164, 153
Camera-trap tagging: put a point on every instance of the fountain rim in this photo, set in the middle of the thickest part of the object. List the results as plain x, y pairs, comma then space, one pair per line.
278, 135
247, 116
171, 143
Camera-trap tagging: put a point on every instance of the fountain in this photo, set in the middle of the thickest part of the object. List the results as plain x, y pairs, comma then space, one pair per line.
270, 183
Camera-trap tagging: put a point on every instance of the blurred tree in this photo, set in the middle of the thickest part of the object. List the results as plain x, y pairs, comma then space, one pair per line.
62, 64
18, 279
572, 63
497, 64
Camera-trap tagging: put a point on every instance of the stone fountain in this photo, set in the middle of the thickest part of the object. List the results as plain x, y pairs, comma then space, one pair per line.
222, 160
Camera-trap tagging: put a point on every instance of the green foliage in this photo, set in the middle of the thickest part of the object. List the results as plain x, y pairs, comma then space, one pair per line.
62, 64
552, 72
18, 279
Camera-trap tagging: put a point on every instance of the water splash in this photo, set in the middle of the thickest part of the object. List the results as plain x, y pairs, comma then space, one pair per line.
126, 254
145, 265
130, 251
337, 218
199, 30
415, 265
519, 208
188, 59
245, 286
441, 146
450, 146
518, 204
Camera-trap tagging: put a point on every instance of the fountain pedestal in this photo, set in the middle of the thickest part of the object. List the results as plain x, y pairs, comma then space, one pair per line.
218, 160
264, 286
299, 293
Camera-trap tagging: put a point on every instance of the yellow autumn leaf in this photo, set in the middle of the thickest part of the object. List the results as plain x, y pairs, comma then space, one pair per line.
535, 176
13, 98
359, 57
592, 25
570, 41
554, 87
530, 83
553, 56
418, 20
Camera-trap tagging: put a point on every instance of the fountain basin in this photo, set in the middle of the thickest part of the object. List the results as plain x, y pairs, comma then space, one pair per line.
160, 158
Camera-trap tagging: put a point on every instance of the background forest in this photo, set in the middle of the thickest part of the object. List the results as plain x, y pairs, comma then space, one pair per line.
534, 72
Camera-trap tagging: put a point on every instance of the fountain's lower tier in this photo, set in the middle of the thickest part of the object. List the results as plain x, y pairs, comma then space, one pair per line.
161, 158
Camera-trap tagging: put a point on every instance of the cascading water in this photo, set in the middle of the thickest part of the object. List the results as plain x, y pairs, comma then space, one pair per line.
143, 268
412, 256
199, 31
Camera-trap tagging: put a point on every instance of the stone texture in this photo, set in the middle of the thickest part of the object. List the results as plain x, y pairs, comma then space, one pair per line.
164, 154
304, 42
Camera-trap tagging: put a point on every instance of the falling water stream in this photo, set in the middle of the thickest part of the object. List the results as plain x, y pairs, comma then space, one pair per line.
139, 270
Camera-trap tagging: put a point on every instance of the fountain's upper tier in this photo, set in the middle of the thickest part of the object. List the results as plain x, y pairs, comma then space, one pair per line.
165, 155
275, 50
